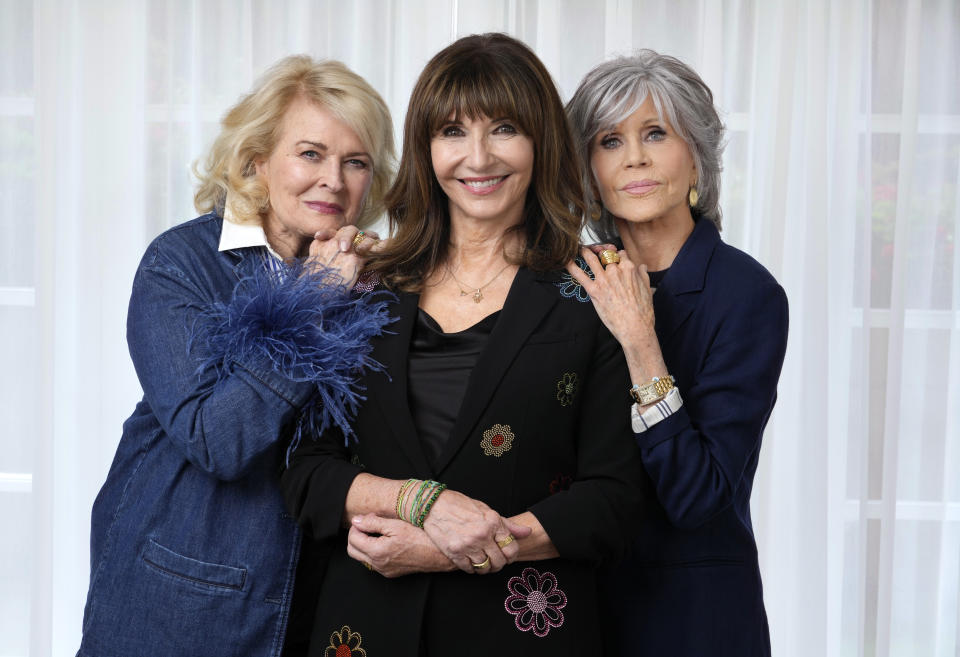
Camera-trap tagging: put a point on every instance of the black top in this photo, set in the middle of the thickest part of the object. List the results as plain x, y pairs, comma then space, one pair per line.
439, 369
656, 277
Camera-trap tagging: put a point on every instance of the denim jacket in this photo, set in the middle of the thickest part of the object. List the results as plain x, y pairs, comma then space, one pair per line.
191, 550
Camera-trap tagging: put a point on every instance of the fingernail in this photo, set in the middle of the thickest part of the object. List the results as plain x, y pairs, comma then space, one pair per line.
344, 245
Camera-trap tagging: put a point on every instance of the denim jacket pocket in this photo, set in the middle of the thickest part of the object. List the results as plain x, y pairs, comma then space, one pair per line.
212, 576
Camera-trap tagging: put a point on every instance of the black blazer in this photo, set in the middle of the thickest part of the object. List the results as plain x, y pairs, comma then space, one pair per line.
554, 379
690, 585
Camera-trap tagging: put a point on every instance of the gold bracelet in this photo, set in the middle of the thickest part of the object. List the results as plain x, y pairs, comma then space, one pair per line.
652, 392
402, 496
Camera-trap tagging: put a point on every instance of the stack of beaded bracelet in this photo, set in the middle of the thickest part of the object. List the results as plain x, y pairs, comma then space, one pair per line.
427, 493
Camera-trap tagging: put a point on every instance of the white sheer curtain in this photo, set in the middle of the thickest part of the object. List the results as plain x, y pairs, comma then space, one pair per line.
842, 176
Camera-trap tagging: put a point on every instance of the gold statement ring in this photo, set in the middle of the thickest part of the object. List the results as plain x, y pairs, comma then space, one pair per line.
609, 257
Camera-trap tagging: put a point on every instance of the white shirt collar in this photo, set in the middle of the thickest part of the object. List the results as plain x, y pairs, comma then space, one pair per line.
242, 236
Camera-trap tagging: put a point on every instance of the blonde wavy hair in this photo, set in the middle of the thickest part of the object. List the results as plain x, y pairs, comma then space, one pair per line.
249, 131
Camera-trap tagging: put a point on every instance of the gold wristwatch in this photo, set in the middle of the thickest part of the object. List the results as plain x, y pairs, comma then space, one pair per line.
652, 392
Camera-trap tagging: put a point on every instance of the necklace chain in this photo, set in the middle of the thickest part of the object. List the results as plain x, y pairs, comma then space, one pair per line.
478, 294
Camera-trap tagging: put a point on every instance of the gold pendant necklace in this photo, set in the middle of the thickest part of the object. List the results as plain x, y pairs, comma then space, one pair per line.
477, 295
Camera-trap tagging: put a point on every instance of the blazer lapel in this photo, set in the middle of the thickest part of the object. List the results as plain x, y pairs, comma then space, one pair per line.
679, 291
527, 303
391, 393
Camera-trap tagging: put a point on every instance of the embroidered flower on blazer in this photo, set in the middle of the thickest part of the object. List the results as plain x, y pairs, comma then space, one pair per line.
535, 601
570, 288
497, 440
366, 282
345, 643
567, 388
560, 482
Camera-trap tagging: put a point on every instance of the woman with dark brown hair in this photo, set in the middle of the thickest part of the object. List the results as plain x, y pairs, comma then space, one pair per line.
496, 440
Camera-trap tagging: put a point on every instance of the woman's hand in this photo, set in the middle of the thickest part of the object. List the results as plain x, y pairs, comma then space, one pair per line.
469, 532
623, 300
393, 547
342, 251
620, 293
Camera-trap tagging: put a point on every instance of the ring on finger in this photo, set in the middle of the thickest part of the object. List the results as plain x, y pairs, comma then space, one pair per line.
504, 542
483, 564
358, 238
368, 566
609, 257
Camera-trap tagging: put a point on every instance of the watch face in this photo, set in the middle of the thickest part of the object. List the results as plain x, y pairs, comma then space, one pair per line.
644, 396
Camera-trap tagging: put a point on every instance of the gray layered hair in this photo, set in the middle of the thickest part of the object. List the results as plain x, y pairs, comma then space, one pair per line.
614, 90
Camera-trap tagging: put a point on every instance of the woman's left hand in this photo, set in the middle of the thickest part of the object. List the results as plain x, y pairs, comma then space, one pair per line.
620, 293
623, 300
471, 534
393, 547
342, 252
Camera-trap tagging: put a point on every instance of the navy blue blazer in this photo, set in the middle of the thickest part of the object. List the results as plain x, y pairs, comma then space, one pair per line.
690, 585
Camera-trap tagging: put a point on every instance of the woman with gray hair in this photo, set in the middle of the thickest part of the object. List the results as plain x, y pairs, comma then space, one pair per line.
704, 330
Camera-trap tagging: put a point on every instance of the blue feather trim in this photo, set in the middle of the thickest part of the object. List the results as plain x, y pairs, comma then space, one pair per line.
309, 327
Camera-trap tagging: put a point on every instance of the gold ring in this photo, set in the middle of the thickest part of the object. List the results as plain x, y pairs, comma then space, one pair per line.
482, 565
358, 238
504, 542
368, 566
609, 257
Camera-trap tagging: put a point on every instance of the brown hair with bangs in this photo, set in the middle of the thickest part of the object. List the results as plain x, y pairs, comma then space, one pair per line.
496, 76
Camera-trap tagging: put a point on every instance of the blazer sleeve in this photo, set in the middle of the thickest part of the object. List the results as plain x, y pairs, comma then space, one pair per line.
315, 484
698, 456
594, 519
226, 395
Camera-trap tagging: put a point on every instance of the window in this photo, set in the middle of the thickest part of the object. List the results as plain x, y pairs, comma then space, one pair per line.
18, 323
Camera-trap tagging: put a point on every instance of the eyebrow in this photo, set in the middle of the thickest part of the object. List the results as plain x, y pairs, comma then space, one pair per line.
613, 128
323, 147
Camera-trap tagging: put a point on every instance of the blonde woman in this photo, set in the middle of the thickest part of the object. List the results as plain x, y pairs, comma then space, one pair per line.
243, 330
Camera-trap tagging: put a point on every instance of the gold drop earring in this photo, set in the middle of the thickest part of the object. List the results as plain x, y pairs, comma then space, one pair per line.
596, 211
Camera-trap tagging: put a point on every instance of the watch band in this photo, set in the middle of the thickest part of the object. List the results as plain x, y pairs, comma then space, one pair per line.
653, 391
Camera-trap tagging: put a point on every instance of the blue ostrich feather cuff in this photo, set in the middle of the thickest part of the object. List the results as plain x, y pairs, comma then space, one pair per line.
307, 326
